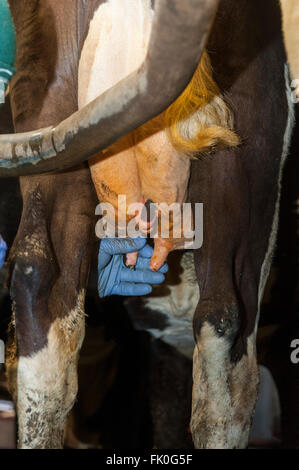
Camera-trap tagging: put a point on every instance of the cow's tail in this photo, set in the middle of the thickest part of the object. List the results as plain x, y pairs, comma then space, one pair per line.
200, 120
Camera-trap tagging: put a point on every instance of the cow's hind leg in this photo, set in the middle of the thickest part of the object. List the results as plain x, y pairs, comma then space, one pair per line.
240, 192
232, 269
225, 370
50, 261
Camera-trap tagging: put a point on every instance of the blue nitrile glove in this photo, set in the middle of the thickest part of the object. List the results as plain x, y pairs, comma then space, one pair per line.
115, 278
3, 248
7, 47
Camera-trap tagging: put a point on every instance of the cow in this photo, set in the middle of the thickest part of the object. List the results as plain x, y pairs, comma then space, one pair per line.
239, 187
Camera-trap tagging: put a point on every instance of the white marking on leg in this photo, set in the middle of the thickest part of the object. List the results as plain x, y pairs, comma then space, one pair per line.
223, 394
47, 382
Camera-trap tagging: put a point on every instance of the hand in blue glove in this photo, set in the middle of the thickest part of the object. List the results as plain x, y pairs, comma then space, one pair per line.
3, 248
115, 278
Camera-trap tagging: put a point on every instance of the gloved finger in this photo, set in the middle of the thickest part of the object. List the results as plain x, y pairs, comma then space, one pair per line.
141, 276
144, 263
2, 258
3, 245
129, 289
103, 258
121, 246
3, 249
146, 252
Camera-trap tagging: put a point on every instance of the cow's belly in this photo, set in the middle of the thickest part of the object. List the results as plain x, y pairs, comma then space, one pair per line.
143, 165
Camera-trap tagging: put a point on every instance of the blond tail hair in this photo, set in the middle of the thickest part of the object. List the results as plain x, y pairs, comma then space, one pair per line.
200, 120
